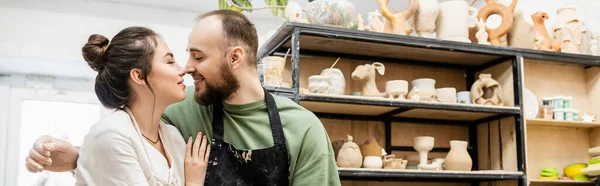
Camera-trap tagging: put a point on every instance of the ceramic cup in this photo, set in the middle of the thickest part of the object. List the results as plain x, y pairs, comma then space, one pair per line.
396, 89
373, 162
273, 70
464, 97
446, 95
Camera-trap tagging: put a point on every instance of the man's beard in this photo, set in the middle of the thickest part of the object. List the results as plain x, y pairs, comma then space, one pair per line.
220, 91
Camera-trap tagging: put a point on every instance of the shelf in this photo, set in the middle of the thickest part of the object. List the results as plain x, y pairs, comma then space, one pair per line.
559, 123
567, 182
322, 40
381, 107
423, 175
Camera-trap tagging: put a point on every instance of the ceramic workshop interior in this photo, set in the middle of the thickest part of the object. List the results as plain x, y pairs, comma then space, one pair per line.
509, 143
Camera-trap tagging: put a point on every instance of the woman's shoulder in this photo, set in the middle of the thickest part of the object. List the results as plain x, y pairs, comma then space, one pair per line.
113, 126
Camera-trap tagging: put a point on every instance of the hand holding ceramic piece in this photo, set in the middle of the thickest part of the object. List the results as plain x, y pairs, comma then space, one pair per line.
396, 89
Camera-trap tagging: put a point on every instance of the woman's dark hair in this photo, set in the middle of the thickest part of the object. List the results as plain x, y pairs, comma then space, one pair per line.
132, 48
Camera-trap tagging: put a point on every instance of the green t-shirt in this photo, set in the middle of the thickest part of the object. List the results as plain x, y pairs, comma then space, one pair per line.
247, 127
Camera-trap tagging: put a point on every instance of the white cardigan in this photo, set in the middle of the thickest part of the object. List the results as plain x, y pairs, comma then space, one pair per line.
115, 153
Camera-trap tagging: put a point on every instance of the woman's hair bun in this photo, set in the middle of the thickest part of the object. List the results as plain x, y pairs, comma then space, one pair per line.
93, 51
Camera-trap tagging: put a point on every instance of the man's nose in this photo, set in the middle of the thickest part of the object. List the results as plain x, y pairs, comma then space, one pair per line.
189, 70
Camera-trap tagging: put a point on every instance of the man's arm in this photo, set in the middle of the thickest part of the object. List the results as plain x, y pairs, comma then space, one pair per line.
316, 161
52, 154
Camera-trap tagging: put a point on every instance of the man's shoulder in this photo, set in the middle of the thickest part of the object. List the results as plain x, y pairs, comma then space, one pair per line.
294, 112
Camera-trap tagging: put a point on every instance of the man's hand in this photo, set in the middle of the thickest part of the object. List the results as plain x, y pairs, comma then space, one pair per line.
196, 160
52, 154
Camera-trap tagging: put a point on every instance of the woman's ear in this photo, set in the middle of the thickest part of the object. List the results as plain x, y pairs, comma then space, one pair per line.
137, 76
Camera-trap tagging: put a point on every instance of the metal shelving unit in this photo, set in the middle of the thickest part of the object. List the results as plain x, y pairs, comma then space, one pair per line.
317, 40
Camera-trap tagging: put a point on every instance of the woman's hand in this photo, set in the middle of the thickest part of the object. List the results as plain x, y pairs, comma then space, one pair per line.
196, 160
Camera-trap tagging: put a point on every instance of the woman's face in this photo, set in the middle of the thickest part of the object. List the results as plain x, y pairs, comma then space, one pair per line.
166, 76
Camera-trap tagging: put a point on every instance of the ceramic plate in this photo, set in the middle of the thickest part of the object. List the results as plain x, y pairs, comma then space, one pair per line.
530, 104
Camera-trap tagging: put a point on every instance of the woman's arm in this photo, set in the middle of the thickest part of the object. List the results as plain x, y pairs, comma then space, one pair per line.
196, 160
109, 158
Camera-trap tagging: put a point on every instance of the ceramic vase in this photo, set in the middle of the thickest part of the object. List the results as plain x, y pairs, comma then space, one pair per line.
569, 30
425, 17
452, 23
458, 158
423, 144
273, 67
446, 95
373, 162
336, 77
349, 155
396, 89
486, 91
330, 12
424, 88
318, 84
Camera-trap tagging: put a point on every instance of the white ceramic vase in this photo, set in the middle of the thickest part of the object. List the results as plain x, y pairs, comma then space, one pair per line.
569, 30
452, 22
318, 84
424, 88
458, 158
373, 162
273, 67
396, 89
425, 17
336, 77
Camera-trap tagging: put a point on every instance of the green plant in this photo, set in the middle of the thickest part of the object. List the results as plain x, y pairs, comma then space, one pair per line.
277, 7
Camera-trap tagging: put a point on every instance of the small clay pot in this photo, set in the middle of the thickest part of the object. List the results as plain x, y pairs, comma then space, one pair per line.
373, 162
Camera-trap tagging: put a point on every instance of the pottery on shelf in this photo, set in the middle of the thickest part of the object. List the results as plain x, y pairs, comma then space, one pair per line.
318, 84
330, 12
371, 148
506, 12
337, 145
390, 162
294, 12
338, 83
594, 44
464, 97
446, 95
424, 18
373, 162
423, 144
273, 67
424, 88
522, 33
396, 89
364, 75
542, 40
349, 155
396, 22
569, 30
458, 157
482, 35
375, 22
452, 23
486, 91
436, 164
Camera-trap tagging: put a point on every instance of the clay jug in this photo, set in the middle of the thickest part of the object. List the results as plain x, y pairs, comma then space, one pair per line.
458, 158
349, 155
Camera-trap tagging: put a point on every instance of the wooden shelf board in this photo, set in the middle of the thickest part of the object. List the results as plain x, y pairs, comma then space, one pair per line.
368, 106
426, 175
559, 123
560, 181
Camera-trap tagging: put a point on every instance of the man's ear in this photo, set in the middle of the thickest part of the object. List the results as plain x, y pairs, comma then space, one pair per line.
137, 76
237, 56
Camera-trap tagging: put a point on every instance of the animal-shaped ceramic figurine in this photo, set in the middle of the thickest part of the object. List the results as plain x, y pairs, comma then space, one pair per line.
506, 12
482, 35
365, 76
397, 21
543, 40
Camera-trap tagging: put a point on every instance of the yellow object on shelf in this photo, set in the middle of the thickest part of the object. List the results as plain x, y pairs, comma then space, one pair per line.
573, 171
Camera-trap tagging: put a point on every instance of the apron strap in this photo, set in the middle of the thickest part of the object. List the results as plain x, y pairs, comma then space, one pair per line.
218, 120
274, 120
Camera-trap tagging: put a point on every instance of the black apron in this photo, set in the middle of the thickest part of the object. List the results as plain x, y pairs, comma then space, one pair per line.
262, 167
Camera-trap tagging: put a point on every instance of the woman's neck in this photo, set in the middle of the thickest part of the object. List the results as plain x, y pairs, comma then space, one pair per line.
147, 115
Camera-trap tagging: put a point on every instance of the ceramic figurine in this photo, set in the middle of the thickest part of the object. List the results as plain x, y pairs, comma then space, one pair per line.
349, 155
375, 22
452, 23
398, 20
542, 38
486, 91
360, 22
522, 33
458, 158
424, 19
390, 162
482, 35
425, 88
506, 12
293, 12
364, 75
569, 30
396, 89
